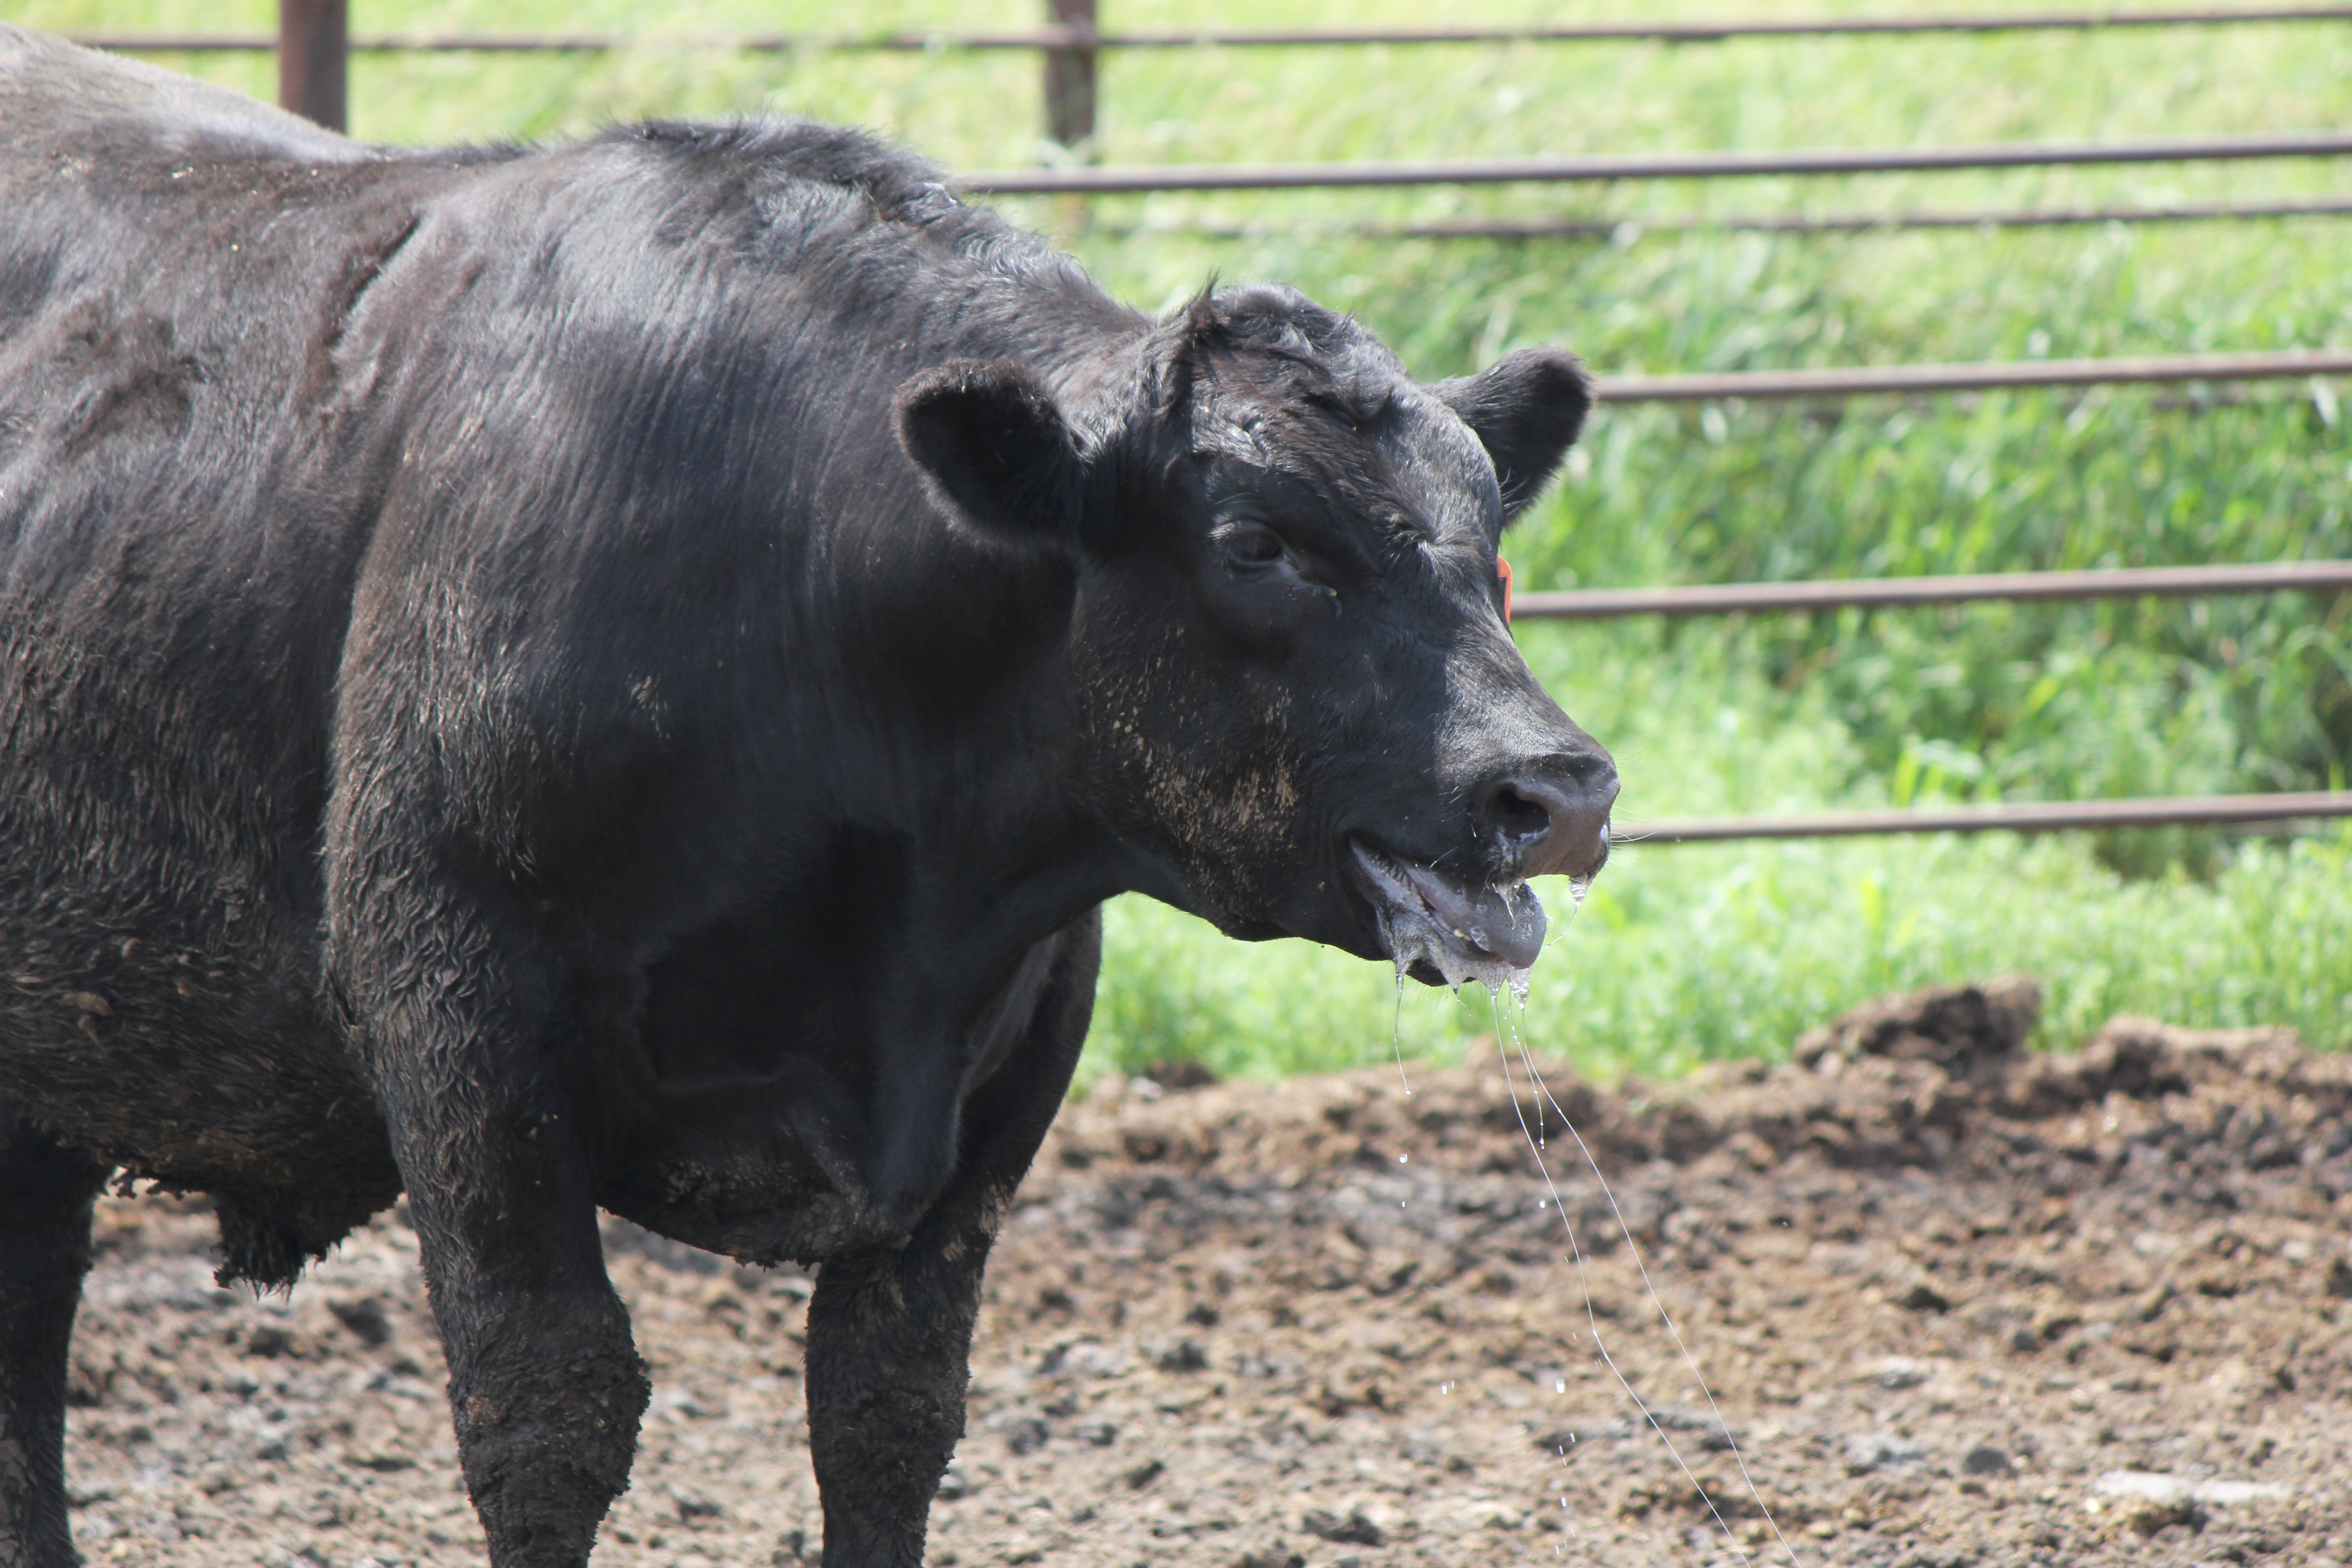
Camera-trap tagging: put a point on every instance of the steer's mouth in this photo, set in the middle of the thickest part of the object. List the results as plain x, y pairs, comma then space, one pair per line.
1435, 927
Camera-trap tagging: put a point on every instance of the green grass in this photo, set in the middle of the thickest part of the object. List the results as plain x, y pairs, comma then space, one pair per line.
1690, 954
1685, 953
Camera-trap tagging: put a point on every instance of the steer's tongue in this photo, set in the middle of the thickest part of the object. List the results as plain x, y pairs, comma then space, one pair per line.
1465, 932
1507, 927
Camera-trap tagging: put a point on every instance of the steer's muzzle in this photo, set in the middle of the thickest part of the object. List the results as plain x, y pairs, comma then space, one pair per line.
1550, 817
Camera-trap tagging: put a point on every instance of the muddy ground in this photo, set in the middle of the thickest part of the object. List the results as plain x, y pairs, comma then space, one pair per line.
1955, 1304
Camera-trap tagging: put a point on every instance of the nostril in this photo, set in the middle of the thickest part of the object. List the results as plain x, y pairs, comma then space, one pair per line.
1544, 823
1517, 816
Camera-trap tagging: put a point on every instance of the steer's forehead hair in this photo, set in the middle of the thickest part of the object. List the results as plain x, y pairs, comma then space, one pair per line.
1273, 381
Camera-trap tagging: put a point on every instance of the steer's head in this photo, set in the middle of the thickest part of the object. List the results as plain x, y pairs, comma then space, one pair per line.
1300, 704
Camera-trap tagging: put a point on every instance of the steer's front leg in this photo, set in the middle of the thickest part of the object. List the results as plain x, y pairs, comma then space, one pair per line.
470, 1030
888, 1361
545, 1385
46, 1195
889, 1331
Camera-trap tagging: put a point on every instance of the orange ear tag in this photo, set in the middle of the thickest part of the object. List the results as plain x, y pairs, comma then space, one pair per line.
1503, 570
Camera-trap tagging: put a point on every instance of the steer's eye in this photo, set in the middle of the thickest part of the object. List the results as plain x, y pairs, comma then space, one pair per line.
1250, 550
1260, 586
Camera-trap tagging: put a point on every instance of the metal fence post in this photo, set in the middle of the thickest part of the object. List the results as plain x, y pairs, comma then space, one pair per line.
313, 58
1070, 76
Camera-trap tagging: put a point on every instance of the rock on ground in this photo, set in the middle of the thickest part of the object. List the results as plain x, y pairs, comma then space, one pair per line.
1944, 1304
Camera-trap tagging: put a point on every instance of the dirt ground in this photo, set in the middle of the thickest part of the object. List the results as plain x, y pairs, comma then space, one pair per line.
1955, 1304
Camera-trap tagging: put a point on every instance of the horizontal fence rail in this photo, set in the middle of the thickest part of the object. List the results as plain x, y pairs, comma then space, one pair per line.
1072, 38
1889, 593
2033, 817
1774, 223
1136, 179
1861, 381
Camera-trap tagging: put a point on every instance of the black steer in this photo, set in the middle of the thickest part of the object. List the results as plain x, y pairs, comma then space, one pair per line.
619, 675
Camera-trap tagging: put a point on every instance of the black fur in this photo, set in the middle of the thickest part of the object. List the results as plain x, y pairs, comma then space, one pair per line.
490, 708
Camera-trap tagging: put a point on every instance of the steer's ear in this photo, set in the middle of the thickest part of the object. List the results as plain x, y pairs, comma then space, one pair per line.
988, 436
1527, 409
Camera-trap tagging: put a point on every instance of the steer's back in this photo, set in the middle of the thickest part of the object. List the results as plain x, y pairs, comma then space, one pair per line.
183, 499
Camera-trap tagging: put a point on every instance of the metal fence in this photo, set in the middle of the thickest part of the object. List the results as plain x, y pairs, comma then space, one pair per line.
1075, 27
1859, 381
1610, 169
2021, 816
1957, 588
1592, 228
314, 40
314, 47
